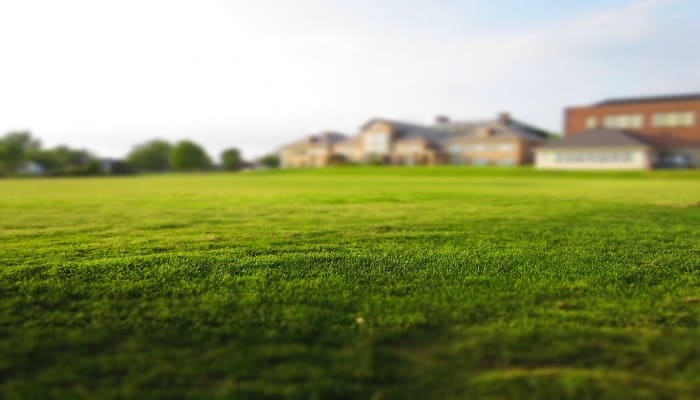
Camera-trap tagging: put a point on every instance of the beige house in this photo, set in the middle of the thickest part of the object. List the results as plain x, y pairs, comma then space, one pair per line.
599, 149
502, 141
312, 151
393, 142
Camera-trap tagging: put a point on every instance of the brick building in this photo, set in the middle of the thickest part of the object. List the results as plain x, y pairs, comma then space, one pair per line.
671, 124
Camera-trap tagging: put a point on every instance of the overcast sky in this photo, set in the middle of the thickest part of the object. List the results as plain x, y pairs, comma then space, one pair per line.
105, 75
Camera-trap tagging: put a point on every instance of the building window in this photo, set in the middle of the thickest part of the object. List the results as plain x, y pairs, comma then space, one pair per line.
591, 122
378, 143
624, 121
506, 147
566, 157
457, 149
672, 119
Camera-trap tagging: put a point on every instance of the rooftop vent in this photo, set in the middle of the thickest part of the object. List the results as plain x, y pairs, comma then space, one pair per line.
442, 120
505, 118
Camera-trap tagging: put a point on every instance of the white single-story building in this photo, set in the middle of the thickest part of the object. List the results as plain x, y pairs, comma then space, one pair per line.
611, 149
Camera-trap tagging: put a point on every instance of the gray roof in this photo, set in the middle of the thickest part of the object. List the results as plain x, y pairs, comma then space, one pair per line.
601, 138
649, 99
408, 131
465, 129
327, 138
349, 140
459, 127
443, 133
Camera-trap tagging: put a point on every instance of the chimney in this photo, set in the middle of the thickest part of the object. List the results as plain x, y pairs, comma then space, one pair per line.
504, 118
442, 120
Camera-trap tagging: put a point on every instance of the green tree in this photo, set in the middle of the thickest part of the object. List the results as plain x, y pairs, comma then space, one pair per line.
231, 160
270, 161
62, 160
189, 156
13, 151
153, 156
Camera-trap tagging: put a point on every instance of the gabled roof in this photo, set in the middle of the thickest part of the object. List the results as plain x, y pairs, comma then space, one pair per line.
324, 138
511, 127
602, 138
407, 131
460, 127
353, 141
649, 99
529, 129
445, 132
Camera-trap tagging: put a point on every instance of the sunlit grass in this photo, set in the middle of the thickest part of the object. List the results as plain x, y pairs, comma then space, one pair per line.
352, 283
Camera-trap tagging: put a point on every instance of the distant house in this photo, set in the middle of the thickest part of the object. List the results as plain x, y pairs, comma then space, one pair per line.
312, 151
502, 141
599, 149
394, 142
671, 123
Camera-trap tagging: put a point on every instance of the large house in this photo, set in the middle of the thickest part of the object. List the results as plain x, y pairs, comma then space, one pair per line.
668, 127
501, 141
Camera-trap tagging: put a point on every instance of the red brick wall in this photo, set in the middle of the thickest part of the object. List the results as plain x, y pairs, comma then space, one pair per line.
575, 117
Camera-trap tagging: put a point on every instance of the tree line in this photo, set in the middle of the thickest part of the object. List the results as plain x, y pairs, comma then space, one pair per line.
22, 154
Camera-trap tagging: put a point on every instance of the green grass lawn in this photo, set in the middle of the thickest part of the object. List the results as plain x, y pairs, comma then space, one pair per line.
368, 283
